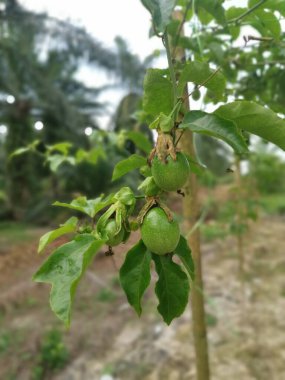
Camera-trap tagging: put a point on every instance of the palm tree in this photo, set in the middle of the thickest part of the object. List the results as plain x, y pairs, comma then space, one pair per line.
39, 60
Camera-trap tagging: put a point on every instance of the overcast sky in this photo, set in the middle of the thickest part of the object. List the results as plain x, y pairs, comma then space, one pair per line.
105, 20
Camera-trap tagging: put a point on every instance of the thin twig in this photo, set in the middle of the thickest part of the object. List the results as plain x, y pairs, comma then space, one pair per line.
254, 38
179, 138
203, 83
199, 222
159, 35
249, 11
114, 263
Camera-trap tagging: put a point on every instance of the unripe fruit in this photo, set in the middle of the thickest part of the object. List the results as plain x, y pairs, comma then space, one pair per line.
159, 235
196, 94
110, 230
171, 176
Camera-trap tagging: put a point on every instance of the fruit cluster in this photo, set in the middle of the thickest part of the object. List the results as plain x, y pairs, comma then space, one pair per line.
169, 171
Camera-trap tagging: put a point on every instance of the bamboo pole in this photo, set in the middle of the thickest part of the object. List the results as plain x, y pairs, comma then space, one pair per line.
191, 214
240, 216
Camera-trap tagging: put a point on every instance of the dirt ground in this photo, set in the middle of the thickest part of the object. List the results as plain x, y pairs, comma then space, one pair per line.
246, 323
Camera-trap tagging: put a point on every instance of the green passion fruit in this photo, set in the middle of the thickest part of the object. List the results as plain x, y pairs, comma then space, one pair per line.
159, 235
113, 238
172, 174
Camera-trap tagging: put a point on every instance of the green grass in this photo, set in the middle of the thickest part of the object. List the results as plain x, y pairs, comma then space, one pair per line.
5, 342
15, 232
106, 295
273, 204
212, 231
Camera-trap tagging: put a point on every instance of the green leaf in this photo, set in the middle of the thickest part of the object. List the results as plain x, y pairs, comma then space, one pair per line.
140, 140
135, 274
56, 160
265, 22
212, 125
63, 270
172, 288
255, 119
215, 8
19, 152
158, 95
204, 16
133, 162
184, 253
160, 11
198, 72
68, 227
91, 156
231, 14
30, 148
62, 147
274, 5
90, 207
196, 167
162, 122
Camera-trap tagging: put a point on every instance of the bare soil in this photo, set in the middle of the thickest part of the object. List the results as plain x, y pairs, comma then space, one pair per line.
246, 319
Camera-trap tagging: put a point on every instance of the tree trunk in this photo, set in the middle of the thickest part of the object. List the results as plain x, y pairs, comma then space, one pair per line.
21, 182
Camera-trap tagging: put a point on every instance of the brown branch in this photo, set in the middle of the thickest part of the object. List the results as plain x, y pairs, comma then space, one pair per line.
254, 38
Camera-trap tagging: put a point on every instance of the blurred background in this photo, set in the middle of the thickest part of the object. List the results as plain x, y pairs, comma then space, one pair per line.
71, 79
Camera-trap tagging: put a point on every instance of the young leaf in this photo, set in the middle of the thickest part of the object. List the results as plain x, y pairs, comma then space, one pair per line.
140, 140
184, 253
253, 118
160, 11
55, 160
172, 288
63, 148
91, 156
63, 270
198, 72
149, 187
133, 162
68, 227
30, 148
126, 196
212, 125
19, 152
158, 95
135, 274
89, 207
